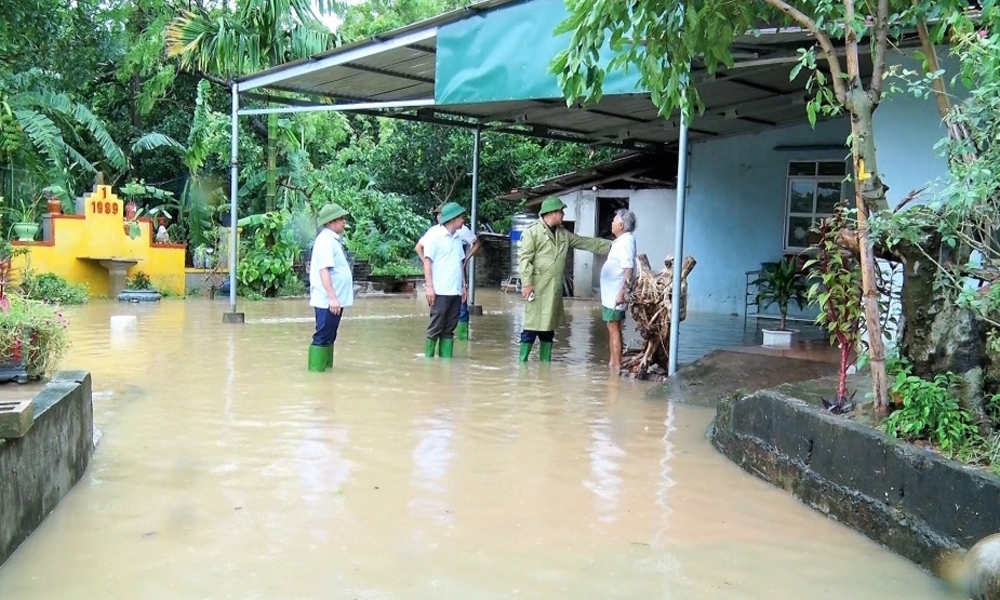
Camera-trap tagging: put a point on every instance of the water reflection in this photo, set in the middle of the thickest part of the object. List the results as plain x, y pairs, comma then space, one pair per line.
431, 460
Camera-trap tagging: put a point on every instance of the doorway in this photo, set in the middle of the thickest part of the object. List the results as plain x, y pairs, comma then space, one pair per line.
606, 207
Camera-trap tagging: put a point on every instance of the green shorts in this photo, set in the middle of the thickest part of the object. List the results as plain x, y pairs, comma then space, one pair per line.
611, 315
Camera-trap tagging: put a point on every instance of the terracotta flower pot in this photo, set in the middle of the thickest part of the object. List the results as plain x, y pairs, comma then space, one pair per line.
55, 206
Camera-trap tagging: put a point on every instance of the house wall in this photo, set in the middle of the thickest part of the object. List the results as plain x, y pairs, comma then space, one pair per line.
737, 187
906, 131
735, 208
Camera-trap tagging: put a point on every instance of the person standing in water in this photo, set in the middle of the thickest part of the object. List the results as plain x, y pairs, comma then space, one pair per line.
615, 276
541, 262
331, 285
444, 258
471, 245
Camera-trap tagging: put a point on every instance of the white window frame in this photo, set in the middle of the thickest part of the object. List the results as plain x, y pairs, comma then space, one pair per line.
789, 179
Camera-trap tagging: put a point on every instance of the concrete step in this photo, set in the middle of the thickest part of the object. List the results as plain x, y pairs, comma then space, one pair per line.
16, 418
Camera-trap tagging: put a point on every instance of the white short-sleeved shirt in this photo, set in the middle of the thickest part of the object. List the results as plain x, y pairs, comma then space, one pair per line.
327, 253
446, 252
620, 257
464, 233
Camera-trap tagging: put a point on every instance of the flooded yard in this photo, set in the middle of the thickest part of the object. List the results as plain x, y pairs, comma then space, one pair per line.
226, 471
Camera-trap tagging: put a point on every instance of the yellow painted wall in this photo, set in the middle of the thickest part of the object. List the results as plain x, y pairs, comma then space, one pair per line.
78, 242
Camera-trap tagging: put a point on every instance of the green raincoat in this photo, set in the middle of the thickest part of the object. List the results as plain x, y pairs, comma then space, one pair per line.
541, 262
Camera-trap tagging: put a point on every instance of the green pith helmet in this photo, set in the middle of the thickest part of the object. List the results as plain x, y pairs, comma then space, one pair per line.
330, 212
450, 211
551, 205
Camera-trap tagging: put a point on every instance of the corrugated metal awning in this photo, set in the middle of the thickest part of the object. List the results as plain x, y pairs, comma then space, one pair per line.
399, 74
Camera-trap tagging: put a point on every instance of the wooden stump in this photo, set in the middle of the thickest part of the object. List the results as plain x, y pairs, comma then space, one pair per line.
649, 300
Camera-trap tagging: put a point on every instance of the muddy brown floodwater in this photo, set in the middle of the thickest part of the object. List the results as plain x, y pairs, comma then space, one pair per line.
227, 471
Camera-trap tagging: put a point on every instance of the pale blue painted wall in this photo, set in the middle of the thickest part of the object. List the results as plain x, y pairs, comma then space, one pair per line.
736, 192
906, 131
736, 207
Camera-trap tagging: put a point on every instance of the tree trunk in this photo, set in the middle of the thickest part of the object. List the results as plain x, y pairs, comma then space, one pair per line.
133, 110
272, 162
869, 195
937, 336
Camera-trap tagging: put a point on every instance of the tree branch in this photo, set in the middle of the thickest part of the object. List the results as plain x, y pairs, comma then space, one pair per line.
829, 52
881, 48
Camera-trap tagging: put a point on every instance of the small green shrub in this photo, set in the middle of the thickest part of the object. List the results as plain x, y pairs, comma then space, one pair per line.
291, 288
139, 281
49, 287
930, 412
399, 270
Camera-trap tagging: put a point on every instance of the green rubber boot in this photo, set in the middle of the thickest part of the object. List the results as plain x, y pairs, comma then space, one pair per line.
447, 347
317, 358
429, 347
462, 330
329, 356
525, 351
545, 352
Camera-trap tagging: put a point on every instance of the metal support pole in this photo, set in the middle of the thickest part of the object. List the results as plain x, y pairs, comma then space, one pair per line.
232, 316
477, 133
675, 304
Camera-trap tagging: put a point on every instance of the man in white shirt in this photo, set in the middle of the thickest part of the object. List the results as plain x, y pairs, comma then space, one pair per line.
444, 260
331, 285
615, 275
471, 245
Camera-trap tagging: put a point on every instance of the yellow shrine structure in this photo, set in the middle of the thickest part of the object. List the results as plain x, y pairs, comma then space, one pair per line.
95, 249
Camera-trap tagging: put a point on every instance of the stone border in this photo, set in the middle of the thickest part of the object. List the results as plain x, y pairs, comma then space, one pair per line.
39, 469
914, 502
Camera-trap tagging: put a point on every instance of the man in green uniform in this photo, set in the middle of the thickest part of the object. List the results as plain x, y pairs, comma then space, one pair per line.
541, 262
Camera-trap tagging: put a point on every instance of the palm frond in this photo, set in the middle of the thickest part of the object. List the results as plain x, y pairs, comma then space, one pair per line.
154, 140
43, 134
256, 180
79, 159
76, 113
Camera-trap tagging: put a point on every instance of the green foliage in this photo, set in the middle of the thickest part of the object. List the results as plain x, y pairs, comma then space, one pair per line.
837, 291
365, 20
956, 231
782, 283
268, 253
666, 42
49, 132
34, 332
397, 270
52, 288
293, 288
138, 281
930, 411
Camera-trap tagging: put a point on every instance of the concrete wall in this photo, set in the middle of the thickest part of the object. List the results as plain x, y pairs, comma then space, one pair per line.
915, 502
38, 470
581, 209
77, 241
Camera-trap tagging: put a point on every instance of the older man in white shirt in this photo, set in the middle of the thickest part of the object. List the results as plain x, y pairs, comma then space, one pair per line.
444, 260
331, 285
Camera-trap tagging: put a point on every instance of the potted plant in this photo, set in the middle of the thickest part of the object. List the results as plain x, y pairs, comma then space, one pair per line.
780, 284
24, 218
33, 339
